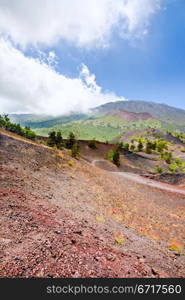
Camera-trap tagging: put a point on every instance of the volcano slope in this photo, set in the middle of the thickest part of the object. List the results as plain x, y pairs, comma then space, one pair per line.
66, 218
139, 163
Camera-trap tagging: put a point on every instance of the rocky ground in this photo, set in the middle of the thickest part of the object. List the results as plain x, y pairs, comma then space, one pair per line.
66, 218
174, 179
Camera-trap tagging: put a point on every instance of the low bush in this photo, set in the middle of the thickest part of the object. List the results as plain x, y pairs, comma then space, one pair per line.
75, 151
92, 144
16, 128
159, 170
114, 157
173, 167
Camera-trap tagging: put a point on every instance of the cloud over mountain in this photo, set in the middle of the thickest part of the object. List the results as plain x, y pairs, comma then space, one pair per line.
30, 84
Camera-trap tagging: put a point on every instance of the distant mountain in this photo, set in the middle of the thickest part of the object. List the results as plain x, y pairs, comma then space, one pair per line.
129, 116
44, 121
24, 118
159, 111
108, 121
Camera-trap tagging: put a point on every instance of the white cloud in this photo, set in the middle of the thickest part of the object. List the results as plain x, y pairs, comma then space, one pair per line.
30, 85
89, 79
86, 23
138, 13
33, 85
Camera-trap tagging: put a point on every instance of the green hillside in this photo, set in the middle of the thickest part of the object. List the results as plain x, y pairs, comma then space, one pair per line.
102, 128
108, 121
159, 111
44, 121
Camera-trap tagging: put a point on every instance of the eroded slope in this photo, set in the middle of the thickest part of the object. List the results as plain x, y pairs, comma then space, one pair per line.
65, 218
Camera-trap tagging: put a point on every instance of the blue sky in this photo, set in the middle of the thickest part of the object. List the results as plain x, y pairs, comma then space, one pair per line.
99, 51
149, 69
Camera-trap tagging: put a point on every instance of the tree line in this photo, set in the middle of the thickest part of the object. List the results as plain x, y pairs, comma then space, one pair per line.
55, 139
16, 128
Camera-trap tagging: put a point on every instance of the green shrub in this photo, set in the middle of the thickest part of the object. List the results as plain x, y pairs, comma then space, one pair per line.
148, 147
75, 150
133, 140
52, 139
16, 128
178, 162
167, 156
140, 145
55, 139
114, 157
70, 141
92, 144
28, 133
59, 139
132, 147
154, 145
173, 167
119, 145
126, 146
159, 170
161, 146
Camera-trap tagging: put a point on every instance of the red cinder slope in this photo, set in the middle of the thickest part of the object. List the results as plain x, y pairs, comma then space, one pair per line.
66, 218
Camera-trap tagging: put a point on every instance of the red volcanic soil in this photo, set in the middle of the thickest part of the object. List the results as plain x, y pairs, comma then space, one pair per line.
66, 218
139, 163
129, 116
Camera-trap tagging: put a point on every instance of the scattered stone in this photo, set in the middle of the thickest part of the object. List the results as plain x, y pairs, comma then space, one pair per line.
142, 260
78, 232
110, 257
57, 231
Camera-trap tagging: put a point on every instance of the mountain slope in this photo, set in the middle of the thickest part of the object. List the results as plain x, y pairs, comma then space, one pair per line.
162, 112
44, 121
62, 219
129, 116
110, 120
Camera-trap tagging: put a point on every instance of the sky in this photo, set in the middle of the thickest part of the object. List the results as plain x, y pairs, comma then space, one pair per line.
60, 56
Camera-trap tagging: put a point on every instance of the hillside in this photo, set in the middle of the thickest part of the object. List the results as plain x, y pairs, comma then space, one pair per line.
109, 121
159, 111
148, 133
62, 217
137, 163
37, 121
129, 116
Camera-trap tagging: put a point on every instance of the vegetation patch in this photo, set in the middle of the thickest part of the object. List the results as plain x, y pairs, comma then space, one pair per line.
175, 246
16, 128
119, 240
92, 144
70, 163
100, 219
114, 157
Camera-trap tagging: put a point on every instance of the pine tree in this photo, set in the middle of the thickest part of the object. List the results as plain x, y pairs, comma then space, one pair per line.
114, 157
140, 146
148, 147
75, 150
58, 139
70, 141
92, 144
52, 139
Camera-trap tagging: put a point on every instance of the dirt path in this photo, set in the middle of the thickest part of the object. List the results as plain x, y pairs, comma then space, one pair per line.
145, 181
97, 161
151, 183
